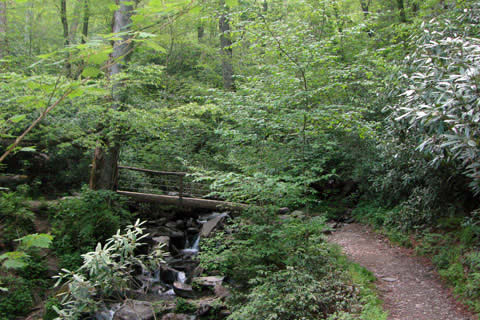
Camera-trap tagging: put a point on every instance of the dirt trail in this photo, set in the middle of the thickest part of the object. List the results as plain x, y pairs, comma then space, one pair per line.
408, 285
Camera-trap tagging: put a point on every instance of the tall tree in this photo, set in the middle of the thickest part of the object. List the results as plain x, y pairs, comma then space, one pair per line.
105, 162
365, 4
66, 35
401, 9
28, 30
3, 29
86, 19
226, 48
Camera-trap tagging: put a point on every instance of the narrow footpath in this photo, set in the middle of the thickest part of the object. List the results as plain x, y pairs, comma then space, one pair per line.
408, 285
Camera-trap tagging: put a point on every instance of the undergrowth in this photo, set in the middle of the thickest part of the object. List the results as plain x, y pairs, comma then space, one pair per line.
284, 269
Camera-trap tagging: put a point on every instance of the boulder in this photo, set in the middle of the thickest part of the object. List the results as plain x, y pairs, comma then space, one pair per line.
224, 313
163, 231
171, 225
193, 230
183, 290
203, 309
284, 217
298, 214
168, 275
211, 281
180, 224
283, 210
135, 310
209, 226
176, 316
162, 240
221, 292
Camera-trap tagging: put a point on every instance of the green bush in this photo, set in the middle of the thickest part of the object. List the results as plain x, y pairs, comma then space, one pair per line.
15, 218
50, 313
183, 306
272, 246
18, 300
295, 294
81, 222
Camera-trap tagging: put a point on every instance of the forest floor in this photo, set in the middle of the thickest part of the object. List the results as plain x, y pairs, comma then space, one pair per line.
408, 284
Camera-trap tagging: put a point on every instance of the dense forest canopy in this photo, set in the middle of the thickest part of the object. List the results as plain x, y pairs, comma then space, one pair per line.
363, 108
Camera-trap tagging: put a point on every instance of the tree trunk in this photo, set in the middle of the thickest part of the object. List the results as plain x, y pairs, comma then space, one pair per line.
200, 32
401, 8
66, 36
3, 29
28, 29
75, 22
365, 7
105, 163
226, 52
86, 19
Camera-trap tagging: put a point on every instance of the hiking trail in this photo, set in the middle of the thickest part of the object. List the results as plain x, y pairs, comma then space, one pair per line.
408, 284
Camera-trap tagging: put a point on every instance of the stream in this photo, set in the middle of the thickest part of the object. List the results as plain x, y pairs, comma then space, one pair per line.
181, 239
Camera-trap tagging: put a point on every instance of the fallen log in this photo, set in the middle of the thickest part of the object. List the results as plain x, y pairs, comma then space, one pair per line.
184, 202
16, 179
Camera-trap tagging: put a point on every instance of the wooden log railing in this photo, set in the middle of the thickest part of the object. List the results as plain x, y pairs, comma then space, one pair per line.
180, 175
181, 199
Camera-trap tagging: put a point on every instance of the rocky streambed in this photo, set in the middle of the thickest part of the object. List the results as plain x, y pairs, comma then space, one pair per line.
178, 290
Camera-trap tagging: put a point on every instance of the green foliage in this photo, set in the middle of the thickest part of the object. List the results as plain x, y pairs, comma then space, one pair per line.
50, 313
183, 306
81, 222
271, 246
106, 273
19, 298
284, 269
372, 305
439, 109
15, 217
294, 294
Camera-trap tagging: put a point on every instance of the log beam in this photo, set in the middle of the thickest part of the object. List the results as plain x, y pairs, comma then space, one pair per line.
185, 202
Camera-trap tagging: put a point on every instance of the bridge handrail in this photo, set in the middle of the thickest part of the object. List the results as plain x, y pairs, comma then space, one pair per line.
156, 172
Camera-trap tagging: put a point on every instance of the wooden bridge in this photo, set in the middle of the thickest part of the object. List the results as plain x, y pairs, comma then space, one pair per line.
171, 188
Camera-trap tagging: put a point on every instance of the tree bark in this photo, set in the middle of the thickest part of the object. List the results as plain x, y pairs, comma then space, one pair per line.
196, 203
28, 29
365, 7
200, 32
86, 19
401, 8
66, 35
105, 162
3, 29
76, 19
226, 51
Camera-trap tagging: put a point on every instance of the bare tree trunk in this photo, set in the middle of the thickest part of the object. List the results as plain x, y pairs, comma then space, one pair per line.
66, 36
28, 29
3, 29
75, 22
86, 19
365, 7
365, 4
105, 163
200, 32
401, 8
226, 52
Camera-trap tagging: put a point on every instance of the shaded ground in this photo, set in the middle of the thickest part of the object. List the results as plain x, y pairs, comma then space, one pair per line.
408, 285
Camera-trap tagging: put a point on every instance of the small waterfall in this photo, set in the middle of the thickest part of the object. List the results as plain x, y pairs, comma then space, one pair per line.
194, 247
181, 277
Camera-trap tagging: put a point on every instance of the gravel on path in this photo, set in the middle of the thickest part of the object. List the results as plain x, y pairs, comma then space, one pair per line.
408, 285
